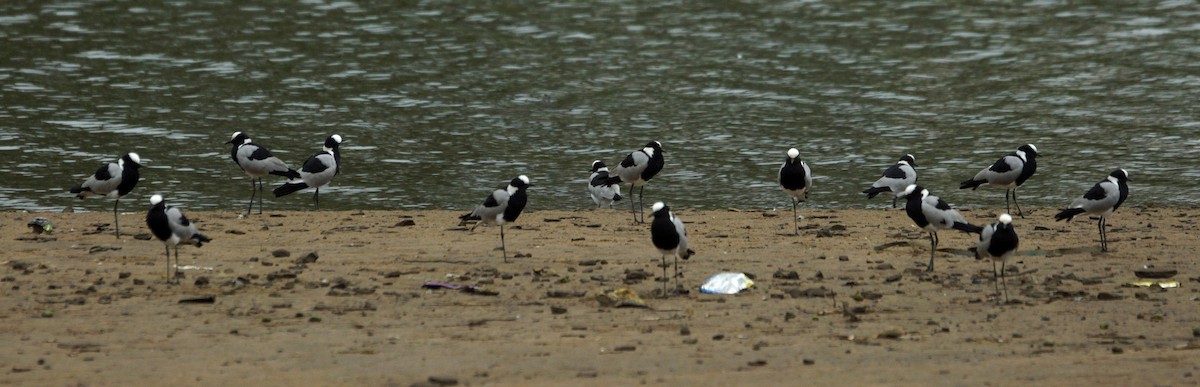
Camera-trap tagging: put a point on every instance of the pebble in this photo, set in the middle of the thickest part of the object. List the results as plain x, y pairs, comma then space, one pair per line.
809, 362
625, 348
281, 253
686, 331
1118, 350
558, 310
718, 337
787, 274
406, 223
443, 380
757, 363
586, 374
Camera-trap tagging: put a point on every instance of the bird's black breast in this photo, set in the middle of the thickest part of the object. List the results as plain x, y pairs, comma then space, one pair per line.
663, 234
1028, 170
129, 179
516, 204
654, 166
913, 209
791, 176
157, 221
1004, 239
1123, 187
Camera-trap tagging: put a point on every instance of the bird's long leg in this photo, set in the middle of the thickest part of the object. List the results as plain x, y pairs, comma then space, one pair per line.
1004, 278
1007, 207
933, 242
1103, 236
664, 274
116, 220
168, 248
175, 269
1018, 205
995, 281
641, 205
633, 203
253, 190
795, 223
676, 256
317, 199
894, 198
260, 197
503, 246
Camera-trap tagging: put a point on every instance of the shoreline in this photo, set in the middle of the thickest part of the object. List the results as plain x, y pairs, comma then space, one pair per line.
847, 295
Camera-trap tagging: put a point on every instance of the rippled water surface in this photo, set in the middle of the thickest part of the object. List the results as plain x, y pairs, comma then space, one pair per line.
442, 101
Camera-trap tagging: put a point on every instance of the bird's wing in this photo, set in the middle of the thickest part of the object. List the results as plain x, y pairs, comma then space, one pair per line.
180, 225
683, 241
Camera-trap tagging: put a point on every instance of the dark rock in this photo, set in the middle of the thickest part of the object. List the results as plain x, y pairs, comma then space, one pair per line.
1155, 273
893, 277
810, 292
625, 348
558, 310
884, 266
1106, 296
406, 223
809, 362
281, 253
566, 293
443, 380
757, 363
586, 374
589, 262
685, 331
124, 275
786, 274
201, 281
307, 258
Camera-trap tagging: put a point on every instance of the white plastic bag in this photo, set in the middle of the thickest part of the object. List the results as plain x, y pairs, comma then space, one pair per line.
726, 283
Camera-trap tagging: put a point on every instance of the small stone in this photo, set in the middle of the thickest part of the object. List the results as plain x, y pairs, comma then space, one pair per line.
685, 331
443, 380
1196, 332
893, 277
809, 362
201, 281
691, 340
757, 363
281, 253
1118, 350
307, 258
406, 223
786, 274
558, 310
625, 348
718, 337
843, 258
124, 275
586, 374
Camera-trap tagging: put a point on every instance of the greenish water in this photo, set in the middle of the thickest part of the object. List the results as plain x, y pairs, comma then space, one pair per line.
442, 101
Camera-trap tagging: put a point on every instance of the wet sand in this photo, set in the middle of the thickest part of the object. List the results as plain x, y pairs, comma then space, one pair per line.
845, 302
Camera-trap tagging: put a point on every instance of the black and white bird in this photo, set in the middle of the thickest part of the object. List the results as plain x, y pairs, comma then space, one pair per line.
317, 171
1010, 172
670, 238
257, 161
796, 179
170, 226
604, 188
502, 206
895, 179
931, 214
637, 169
112, 180
999, 242
1104, 198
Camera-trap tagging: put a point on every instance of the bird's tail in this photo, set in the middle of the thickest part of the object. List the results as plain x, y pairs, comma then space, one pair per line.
288, 188
468, 217
616, 197
1068, 214
290, 173
199, 239
80, 192
871, 192
966, 227
687, 254
971, 183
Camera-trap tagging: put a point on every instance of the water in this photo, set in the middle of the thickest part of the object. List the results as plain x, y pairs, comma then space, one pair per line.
442, 101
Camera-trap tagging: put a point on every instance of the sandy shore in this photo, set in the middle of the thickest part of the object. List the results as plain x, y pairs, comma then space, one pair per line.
847, 301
